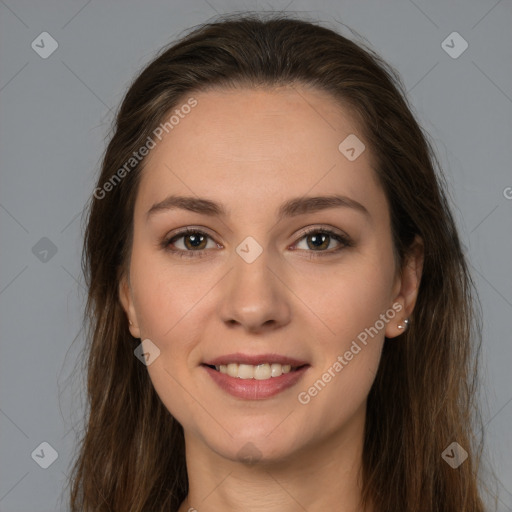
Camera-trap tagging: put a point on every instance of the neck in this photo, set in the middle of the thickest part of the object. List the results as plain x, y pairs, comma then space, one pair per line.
324, 476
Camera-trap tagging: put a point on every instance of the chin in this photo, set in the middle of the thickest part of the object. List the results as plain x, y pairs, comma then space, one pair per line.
257, 446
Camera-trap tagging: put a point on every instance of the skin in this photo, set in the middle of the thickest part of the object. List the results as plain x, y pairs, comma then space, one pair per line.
251, 150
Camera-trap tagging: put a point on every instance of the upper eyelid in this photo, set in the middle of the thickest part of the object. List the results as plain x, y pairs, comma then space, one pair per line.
188, 230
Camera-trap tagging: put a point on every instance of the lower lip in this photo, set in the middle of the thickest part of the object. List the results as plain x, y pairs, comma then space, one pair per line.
253, 389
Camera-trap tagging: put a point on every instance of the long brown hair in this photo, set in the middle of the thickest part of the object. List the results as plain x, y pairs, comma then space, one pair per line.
132, 454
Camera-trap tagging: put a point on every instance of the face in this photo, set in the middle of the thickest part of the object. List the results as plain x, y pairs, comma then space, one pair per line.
267, 281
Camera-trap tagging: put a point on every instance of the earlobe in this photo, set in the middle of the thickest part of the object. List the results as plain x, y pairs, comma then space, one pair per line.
405, 325
126, 299
398, 325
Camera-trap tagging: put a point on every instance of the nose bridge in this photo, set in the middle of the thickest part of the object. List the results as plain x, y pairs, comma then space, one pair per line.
255, 298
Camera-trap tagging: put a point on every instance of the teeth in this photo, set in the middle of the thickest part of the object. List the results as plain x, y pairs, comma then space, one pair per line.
260, 372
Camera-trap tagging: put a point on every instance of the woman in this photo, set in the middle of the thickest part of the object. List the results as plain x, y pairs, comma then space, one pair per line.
280, 309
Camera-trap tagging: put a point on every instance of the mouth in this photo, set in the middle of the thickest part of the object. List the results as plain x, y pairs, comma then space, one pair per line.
263, 371
255, 377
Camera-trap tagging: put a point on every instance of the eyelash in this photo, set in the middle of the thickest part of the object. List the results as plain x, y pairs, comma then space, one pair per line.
342, 239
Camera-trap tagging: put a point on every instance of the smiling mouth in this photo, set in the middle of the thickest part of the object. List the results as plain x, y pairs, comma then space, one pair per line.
263, 371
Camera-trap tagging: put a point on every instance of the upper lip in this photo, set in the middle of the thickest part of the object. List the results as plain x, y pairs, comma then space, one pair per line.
254, 359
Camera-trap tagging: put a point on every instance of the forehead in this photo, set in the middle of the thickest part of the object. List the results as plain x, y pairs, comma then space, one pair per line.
248, 147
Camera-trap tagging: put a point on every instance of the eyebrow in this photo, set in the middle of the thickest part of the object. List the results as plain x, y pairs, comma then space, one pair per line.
291, 208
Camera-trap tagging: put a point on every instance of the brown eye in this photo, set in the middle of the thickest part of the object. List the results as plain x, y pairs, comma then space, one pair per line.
190, 241
194, 241
319, 240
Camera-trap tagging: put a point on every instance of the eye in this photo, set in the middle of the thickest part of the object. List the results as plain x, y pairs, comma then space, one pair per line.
194, 243
319, 240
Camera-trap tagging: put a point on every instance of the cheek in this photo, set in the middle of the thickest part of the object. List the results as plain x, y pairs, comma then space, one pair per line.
350, 351
355, 309
354, 298
153, 302
166, 302
164, 294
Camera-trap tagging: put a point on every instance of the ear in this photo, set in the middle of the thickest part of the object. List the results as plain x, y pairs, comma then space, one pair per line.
406, 287
126, 298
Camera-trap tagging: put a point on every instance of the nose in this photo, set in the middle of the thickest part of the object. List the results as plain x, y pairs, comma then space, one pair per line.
255, 296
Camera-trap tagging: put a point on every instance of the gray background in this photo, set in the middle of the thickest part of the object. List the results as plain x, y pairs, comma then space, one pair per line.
55, 115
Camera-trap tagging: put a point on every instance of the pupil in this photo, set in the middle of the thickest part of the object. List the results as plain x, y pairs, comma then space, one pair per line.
321, 239
195, 240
